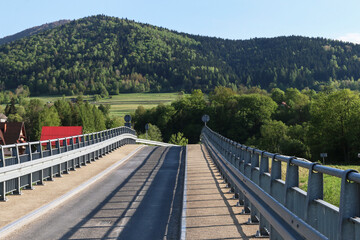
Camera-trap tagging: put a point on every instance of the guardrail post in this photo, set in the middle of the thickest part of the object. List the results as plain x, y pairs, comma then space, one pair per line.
315, 190
254, 166
275, 172
16, 153
255, 178
39, 148
3, 197
65, 144
2, 184
30, 179
92, 138
247, 172
264, 183
2, 157
28, 151
49, 147
77, 142
349, 206
17, 180
292, 180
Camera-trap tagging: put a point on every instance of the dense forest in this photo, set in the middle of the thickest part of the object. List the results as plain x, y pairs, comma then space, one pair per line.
106, 55
291, 122
32, 31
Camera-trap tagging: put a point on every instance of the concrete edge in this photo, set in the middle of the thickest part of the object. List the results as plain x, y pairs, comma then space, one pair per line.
183, 214
40, 211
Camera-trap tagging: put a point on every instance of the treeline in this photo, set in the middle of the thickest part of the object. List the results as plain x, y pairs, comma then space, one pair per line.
292, 122
106, 55
62, 112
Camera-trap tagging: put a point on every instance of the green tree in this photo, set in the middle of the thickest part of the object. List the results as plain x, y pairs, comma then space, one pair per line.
14, 118
153, 133
272, 134
64, 110
178, 139
334, 126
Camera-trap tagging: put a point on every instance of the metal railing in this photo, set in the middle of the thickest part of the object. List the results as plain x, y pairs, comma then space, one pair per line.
151, 142
281, 208
25, 164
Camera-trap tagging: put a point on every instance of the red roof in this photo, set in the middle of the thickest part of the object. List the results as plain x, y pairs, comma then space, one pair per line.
59, 132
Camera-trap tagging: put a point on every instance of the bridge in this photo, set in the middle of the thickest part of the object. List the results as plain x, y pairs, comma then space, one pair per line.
105, 186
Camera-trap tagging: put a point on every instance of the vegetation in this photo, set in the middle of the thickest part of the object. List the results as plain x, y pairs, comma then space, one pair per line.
153, 133
32, 31
178, 139
291, 122
62, 112
106, 56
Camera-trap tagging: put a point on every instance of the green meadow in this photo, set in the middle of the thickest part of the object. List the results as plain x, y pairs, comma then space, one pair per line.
123, 104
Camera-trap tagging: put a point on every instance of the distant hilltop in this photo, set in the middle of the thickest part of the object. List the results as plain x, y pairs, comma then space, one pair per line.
107, 55
32, 31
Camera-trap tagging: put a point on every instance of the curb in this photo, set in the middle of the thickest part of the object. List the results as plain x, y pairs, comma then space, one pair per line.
183, 214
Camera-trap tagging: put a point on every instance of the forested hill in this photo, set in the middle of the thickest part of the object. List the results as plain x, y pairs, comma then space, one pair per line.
32, 31
104, 55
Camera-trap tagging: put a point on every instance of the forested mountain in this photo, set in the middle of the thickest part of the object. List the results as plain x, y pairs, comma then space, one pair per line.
32, 31
107, 55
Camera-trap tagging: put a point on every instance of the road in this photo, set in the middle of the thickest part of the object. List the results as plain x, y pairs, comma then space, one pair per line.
142, 199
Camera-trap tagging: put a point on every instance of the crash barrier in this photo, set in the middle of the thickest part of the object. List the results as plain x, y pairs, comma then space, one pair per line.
281, 208
25, 164
156, 143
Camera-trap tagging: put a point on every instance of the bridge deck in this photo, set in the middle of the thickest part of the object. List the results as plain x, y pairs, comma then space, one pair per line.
211, 213
19, 205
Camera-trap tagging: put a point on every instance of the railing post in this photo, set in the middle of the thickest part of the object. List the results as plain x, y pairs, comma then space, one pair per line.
30, 179
349, 206
315, 190
16, 153
28, 151
39, 148
264, 183
49, 147
2, 157
17, 180
2, 184
58, 145
247, 173
292, 180
3, 197
275, 174
72, 143
254, 164
65, 144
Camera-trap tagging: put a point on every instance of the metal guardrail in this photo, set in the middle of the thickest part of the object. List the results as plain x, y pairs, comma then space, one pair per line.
25, 164
281, 208
150, 142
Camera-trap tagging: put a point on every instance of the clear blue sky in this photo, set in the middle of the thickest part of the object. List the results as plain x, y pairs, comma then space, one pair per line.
234, 19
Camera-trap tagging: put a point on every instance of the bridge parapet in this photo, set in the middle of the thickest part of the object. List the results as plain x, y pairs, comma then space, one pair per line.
25, 164
281, 208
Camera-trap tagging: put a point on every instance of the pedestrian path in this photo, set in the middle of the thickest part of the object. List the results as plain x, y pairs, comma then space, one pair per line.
211, 211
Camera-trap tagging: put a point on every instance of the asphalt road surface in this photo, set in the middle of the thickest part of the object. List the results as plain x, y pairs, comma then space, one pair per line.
142, 199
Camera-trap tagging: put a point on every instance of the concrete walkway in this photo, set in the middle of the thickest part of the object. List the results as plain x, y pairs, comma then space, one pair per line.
211, 213
18, 206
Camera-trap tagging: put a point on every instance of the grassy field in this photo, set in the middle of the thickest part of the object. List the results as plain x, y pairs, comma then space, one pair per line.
124, 103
